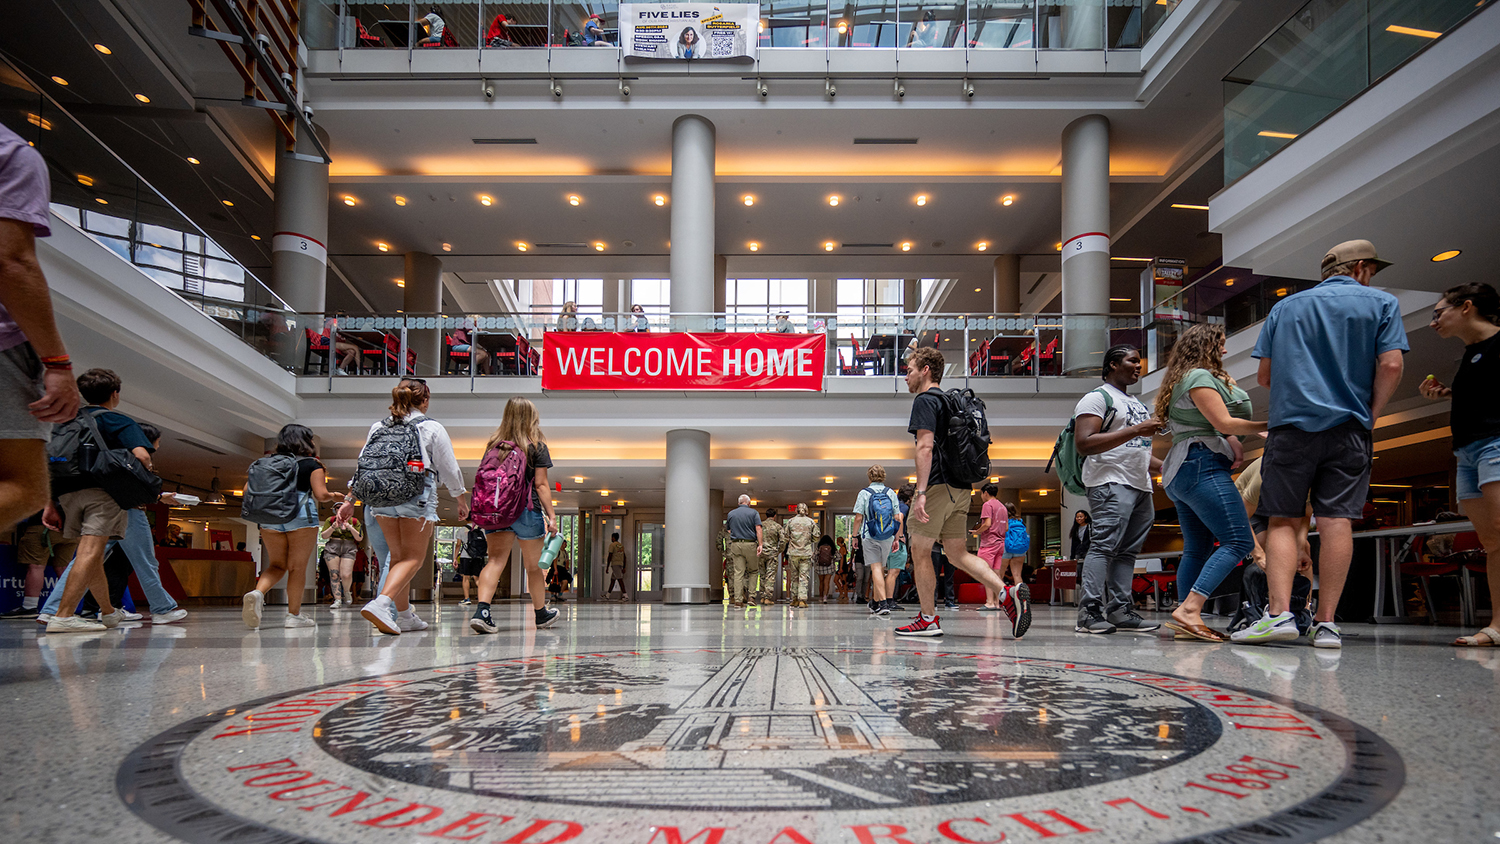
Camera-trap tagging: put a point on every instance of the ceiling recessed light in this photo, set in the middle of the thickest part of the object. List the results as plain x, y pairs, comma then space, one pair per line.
911, 479
906, 247
1113, 299
59, 80
598, 247
1228, 282
1188, 207
573, 199
921, 199
401, 200
1057, 247
447, 247
754, 247
1283, 135
349, 200
1407, 30
486, 200
744, 480
749, 200
101, 200
86, 181
843, 27
578, 479
143, 98
1447, 256
978, 289
38, 121
620, 502
227, 203
383, 247
1007, 200
603, 493
255, 237
982, 245
192, 160
400, 282
522, 247
103, 49
659, 200
823, 492
828, 247
833, 200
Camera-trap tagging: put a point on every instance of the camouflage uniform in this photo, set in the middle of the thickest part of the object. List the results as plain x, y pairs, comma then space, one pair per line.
772, 541
801, 534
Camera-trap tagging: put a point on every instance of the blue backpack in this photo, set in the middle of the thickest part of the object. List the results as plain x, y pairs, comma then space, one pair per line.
881, 523
1017, 541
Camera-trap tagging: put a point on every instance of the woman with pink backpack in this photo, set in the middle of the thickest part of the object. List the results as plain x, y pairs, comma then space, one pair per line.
512, 502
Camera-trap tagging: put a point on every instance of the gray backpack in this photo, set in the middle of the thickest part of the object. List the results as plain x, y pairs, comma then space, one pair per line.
383, 477
271, 496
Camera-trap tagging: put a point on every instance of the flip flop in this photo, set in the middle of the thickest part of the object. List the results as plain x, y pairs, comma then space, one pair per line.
1489, 633
1195, 631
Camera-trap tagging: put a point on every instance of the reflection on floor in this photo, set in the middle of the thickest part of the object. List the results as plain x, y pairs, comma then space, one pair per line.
645, 724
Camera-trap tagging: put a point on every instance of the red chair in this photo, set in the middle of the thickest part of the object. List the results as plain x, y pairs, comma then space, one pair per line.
363, 38
1469, 553
449, 40
865, 358
1047, 356
457, 362
317, 347
1425, 571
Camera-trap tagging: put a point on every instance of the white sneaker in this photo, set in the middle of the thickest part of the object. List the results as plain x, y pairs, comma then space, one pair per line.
1325, 634
1268, 628
381, 612
112, 620
44, 618
293, 621
169, 616
73, 624
337, 604
253, 605
409, 622
126, 615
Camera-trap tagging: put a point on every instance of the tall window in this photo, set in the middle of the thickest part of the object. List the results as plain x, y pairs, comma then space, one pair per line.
654, 295
755, 302
188, 263
549, 294
868, 305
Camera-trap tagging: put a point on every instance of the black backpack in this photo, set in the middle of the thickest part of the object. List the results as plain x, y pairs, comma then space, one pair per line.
78, 457
384, 477
1255, 597
271, 496
963, 445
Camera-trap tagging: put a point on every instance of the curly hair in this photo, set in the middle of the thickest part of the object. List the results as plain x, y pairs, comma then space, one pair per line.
1197, 348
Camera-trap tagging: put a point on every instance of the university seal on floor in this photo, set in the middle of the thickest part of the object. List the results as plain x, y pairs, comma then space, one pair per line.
763, 746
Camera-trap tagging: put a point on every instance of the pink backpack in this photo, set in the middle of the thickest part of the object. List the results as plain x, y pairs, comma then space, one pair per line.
500, 491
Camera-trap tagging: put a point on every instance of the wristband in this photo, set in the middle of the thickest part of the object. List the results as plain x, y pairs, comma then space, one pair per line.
57, 362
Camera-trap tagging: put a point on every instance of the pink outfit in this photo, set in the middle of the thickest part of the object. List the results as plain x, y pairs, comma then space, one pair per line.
994, 535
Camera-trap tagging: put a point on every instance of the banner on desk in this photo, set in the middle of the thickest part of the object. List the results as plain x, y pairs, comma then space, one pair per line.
689, 30
600, 360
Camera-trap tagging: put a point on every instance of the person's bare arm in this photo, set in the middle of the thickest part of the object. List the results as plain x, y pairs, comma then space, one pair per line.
24, 293
544, 495
760, 539
1088, 439
320, 491
925, 442
1263, 374
1211, 405
1388, 369
142, 455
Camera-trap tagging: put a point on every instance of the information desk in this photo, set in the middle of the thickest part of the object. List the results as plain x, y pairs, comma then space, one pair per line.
207, 574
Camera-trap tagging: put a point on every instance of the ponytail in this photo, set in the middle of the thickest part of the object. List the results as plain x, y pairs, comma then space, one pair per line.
408, 396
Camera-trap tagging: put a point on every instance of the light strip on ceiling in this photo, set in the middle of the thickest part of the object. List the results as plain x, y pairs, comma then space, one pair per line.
504, 140
1407, 30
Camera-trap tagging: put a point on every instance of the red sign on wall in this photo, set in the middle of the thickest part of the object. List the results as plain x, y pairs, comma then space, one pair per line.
599, 360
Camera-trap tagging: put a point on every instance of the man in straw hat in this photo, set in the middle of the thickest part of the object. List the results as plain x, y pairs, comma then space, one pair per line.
1331, 357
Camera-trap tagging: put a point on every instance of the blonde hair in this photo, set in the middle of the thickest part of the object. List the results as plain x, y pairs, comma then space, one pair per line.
1197, 348
876, 474
408, 396
802, 509
521, 424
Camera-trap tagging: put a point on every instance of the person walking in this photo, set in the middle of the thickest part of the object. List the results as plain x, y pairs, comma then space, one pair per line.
1017, 545
745, 539
406, 527
773, 541
1113, 432
991, 535
1471, 312
614, 558
289, 546
1207, 413
36, 376
1079, 535
521, 425
475, 554
800, 533
340, 548
940, 506
1331, 357
38, 546
877, 532
826, 566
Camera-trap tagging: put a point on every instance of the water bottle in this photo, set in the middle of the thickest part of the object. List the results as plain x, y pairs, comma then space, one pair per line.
551, 549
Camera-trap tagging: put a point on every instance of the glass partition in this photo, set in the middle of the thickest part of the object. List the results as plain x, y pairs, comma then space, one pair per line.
926, 25
794, 23
375, 25
1002, 24
513, 25
581, 23
1071, 25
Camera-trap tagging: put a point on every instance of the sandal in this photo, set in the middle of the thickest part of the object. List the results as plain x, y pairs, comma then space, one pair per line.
1491, 635
1195, 631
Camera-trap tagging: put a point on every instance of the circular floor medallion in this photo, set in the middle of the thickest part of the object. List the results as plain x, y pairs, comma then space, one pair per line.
763, 746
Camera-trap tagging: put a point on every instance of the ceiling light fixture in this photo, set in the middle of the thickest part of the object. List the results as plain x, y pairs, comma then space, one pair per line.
447, 247
1447, 256
86, 181
744, 480
1407, 30
1283, 135
1007, 200
400, 282
38, 121
1113, 299
982, 245
620, 502
1057, 247
978, 290
598, 247
754, 247
1123, 258
103, 49
843, 27
192, 160
1228, 282
921, 199
1188, 207
255, 237
143, 98
833, 201
383, 247
819, 502
401, 200
350, 201
749, 200
906, 247
101, 200
659, 200
61, 81
573, 199
828, 247
911, 479
522, 246
578, 479
486, 200
604, 493
828, 479
227, 203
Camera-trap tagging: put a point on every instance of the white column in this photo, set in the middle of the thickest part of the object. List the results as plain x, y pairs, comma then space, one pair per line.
423, 296
1007, 284
690, 531
299, 245
1085, 235
692, 253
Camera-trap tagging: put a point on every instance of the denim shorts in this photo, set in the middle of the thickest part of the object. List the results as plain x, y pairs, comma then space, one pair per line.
307, 516
528, 525
421, 506
1478, 464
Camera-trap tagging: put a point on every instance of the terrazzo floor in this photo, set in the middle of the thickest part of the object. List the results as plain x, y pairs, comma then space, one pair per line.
697, 725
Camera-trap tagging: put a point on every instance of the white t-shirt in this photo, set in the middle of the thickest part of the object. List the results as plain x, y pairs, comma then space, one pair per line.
1128, 463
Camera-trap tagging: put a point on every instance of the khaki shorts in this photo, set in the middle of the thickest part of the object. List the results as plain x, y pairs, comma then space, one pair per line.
947, 514
91, 512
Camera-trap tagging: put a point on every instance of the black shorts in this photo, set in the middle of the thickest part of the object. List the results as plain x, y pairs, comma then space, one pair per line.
1332, 465
470, 567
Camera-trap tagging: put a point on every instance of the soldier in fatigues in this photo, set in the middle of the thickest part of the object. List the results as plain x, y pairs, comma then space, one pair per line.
800, 534
770, 557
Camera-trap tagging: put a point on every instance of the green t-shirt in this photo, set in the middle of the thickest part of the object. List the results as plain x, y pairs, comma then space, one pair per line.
1187, 421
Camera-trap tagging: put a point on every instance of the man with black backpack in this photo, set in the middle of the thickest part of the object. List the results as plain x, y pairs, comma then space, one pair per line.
952, 454
80, 508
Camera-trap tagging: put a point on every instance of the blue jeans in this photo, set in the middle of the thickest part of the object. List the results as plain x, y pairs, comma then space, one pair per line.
382, 551
142, 554
1208, 508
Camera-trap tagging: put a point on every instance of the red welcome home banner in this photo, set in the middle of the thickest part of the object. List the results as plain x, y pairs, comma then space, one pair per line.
601, 360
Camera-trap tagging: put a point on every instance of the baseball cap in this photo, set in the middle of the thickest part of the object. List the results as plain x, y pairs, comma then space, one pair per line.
1354, 250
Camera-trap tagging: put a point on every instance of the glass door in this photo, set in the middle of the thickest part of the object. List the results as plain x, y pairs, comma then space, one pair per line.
650, 547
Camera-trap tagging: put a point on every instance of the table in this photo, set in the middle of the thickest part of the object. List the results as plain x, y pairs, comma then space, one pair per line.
891, 347
397, 31
509, 355
1388, 564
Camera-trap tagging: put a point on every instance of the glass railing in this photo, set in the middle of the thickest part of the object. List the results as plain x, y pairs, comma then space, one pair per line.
1232, 297
975, 24
1325, 56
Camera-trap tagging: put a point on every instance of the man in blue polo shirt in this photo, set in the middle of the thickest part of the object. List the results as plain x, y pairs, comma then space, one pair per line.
1331, 357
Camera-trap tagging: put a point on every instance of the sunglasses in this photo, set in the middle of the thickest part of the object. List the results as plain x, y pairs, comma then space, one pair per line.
413, 379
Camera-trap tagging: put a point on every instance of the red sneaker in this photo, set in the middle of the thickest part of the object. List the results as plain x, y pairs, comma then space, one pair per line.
1017, 607
919, 627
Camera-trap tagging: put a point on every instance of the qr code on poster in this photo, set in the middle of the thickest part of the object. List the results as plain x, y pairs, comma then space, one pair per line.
723, 48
